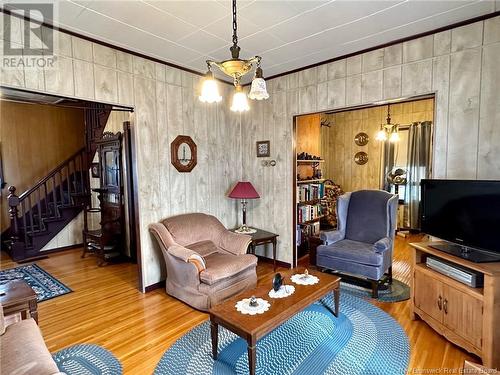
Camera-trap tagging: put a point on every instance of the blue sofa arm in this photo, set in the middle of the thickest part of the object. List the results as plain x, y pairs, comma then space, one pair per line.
382, 245
331, 237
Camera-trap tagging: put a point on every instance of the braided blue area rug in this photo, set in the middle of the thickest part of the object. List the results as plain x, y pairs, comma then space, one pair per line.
87, 359
43, 283
364, 340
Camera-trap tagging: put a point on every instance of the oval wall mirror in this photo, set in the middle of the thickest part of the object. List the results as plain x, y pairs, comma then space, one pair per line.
183, 153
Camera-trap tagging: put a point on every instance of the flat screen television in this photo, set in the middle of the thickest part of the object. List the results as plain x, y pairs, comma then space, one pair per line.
466, 213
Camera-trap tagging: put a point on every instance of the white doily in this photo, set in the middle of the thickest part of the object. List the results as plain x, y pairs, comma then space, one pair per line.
303, 279
283, 291
244, 307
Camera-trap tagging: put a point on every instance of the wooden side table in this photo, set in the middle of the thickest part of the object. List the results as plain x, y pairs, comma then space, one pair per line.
18, 297
262, 237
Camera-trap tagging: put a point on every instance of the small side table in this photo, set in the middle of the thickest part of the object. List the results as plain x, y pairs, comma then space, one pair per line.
262, 237
18, 297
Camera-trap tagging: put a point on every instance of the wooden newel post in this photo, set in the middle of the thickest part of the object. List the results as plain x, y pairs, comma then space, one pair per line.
13, 201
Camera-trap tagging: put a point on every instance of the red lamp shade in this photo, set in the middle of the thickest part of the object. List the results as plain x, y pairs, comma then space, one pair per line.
244, 190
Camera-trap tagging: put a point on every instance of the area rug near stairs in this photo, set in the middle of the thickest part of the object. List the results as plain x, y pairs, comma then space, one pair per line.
43, 283
363, 340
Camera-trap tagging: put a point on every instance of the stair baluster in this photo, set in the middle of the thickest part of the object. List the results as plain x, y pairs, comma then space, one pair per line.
13, 201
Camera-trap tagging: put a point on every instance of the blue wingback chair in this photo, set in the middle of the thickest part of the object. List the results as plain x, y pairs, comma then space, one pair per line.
364, 240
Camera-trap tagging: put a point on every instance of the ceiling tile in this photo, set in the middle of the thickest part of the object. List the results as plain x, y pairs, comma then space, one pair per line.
202, 42
149, 19
224, 28
326, 17
268, 13
199, 13
259, 42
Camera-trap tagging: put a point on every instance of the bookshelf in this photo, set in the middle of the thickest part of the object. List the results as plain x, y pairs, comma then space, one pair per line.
309, 208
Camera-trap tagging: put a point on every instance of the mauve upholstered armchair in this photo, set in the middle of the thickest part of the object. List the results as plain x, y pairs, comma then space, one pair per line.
363, 243
206, 263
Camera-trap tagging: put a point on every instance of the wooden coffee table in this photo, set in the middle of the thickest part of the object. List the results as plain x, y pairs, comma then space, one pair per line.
18, 297
253, 327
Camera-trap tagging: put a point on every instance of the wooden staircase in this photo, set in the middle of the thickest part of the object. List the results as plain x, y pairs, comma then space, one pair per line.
41, 212
38, 214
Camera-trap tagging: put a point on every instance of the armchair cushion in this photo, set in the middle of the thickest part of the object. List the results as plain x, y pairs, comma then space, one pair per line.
204, 248
367, 216
382, 245
234, 243
353, 251
332, 236
222, 266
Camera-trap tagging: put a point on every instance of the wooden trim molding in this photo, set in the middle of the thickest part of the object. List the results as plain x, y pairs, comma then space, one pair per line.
106, 44
388, 44
401, 40
279, 263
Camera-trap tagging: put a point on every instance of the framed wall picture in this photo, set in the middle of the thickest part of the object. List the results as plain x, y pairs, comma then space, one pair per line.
94, 168
263, 149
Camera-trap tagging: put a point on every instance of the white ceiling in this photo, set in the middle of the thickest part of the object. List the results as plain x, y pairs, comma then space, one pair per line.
287, 34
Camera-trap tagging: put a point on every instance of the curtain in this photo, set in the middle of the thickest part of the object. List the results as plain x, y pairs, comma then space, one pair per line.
418, 167
387, 163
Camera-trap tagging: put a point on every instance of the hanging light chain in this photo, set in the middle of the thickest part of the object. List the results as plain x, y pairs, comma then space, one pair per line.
235, 25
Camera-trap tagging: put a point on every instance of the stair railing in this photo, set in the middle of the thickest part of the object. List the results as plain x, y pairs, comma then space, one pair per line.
29, 211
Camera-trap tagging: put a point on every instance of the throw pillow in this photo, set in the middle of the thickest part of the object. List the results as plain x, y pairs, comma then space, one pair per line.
198, 262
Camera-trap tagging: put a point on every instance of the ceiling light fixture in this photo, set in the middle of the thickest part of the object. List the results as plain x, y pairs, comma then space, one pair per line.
235, 68
388, 130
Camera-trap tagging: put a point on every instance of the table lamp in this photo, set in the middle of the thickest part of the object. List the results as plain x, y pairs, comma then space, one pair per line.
244, 190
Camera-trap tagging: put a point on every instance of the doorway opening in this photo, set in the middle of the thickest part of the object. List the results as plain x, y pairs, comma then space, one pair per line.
379, 146
54, 142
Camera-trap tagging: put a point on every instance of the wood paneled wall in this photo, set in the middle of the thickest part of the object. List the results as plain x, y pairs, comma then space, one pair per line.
460, 66
34, 140
338, 147
165, 105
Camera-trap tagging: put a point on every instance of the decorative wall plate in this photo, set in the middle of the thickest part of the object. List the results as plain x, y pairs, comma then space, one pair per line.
361, 139
361, 158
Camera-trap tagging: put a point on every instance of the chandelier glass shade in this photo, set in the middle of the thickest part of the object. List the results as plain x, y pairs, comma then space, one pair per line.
388, 130
240, 102
258, 90
236, 68
210, 90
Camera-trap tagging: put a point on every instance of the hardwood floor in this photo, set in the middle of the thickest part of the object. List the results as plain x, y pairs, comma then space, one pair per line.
105, 308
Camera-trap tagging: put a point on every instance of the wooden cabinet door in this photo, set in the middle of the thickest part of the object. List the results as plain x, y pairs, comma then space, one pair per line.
428, 295
463, 314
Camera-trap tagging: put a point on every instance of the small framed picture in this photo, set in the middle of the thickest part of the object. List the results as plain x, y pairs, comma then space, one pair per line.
94, 167
263, 149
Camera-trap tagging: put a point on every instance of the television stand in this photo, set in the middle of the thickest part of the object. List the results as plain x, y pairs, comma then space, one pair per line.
468, 317
471, 254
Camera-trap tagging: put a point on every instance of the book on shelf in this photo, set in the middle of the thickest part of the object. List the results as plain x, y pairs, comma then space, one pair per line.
309, 212
309, 192
308, 231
